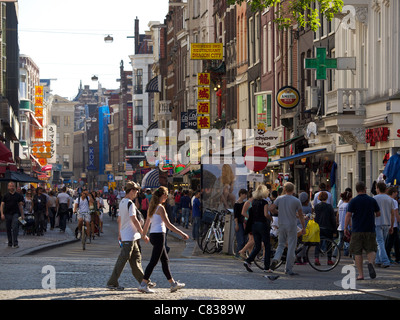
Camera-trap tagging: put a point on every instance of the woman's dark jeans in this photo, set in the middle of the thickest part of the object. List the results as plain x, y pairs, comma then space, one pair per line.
261, 234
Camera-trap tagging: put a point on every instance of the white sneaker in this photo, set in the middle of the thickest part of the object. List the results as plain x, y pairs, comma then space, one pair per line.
177, 285
145, 289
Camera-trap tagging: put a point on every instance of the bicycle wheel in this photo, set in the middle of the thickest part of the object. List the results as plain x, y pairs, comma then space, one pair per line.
201, 237
209, 243
83, 236
320, 255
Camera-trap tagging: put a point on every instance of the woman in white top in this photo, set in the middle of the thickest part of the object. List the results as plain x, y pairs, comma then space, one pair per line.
159, 221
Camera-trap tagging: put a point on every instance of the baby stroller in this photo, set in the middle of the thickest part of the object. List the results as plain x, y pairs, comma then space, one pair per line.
29, 227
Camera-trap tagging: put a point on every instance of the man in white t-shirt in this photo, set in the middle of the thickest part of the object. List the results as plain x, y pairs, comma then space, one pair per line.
130, 232
322, 187
62, 207
81, 207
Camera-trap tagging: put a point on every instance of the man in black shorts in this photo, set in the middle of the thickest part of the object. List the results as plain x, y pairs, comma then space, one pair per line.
361, 212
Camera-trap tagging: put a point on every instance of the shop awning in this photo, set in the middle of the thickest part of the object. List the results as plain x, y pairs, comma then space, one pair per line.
153, 85
151, 179
300, 155
5, 153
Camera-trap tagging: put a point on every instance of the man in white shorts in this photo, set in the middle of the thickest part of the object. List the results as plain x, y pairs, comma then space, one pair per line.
82, 207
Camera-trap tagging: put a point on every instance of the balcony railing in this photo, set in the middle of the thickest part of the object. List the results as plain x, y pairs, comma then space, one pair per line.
164, 107
346, 101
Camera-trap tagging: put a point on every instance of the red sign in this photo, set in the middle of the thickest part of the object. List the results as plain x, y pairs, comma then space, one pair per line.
130, 140
256, 158
375, 135
130, 117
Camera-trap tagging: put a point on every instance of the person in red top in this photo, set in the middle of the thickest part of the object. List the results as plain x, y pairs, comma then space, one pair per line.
112, 201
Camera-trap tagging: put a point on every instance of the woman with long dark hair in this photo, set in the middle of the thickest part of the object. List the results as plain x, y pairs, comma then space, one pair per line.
158, 222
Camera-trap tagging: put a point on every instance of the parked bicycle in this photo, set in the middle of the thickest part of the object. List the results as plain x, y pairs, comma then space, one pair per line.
213, 240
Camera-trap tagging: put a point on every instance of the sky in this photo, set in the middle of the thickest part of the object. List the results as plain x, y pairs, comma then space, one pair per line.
66, 38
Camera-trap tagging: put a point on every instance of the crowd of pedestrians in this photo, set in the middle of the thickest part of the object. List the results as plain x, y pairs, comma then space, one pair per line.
362, 224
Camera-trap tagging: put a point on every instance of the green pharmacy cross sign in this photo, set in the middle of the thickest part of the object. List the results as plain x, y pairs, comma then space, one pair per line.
321, 63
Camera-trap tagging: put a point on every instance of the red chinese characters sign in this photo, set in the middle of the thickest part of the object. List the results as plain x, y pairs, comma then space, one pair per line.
372, 136
203, 107
203, 79
203, 122
130, 140
130, 117
203, 93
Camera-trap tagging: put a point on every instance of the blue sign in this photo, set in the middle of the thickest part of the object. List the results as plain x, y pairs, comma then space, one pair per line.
110, 178
192, 119
91, 165
184, 120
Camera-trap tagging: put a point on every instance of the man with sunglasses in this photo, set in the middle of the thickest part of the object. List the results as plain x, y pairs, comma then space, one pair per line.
129, 234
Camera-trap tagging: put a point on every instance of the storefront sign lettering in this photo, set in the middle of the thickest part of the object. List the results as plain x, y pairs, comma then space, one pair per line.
372, 136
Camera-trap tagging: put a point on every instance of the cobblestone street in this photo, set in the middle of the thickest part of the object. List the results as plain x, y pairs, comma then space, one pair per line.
83, 275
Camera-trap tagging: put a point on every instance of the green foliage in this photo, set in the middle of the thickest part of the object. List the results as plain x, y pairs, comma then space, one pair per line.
298, 12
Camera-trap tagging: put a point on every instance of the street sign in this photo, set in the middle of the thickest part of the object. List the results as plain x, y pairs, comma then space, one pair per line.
110, 178
255, 177
256, 158
321, 64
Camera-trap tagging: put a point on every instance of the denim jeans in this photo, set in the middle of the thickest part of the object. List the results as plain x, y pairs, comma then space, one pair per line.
196, 227
240, 238
12, 225
342, 244
185, 217
381, 235
261, 235
175, 214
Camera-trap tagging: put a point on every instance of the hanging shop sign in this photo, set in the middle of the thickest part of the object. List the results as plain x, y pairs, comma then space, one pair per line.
206, 51
288, 97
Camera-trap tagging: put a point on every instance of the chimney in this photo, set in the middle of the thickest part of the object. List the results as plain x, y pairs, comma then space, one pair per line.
136, 35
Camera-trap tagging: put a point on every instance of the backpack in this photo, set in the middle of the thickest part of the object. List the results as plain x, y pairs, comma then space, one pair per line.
145, 204
138, 213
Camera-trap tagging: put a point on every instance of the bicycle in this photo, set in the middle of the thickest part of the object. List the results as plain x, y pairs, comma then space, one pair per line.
83, 234
214, 238
114, 211
324, 249
206, 221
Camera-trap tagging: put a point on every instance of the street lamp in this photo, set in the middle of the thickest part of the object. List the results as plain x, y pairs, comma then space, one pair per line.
108, 39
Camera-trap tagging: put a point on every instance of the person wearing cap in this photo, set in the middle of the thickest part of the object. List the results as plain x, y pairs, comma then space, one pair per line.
129, 234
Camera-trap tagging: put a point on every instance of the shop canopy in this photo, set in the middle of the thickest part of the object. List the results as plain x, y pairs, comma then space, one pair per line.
5, 153
151, 179
300, 155
15, 176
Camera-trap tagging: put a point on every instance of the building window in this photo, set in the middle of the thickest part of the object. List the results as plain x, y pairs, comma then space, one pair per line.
251, 44
56, 120
138, 88
66, 139
138, 119
66, 161
257, 39
270, 43
139, 139
67, 121
265, 49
